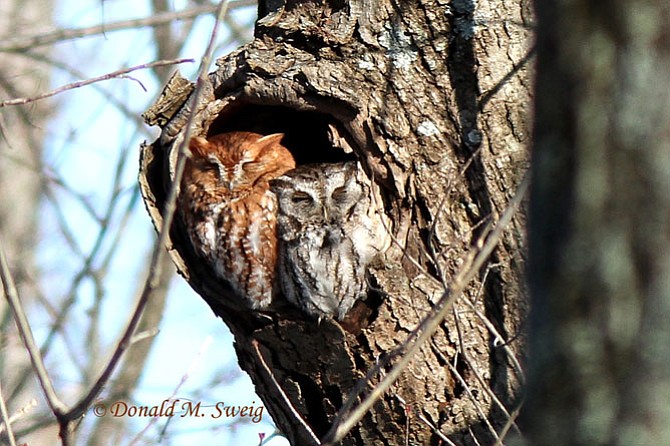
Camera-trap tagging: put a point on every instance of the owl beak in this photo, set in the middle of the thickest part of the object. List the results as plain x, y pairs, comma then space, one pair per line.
228, 181
224, 178
227, 184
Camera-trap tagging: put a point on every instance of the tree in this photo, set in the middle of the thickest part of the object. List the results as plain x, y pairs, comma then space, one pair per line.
432, 100
599, 214
21, 138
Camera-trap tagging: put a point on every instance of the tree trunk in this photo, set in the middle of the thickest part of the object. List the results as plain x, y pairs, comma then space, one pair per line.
599, 238
432, 100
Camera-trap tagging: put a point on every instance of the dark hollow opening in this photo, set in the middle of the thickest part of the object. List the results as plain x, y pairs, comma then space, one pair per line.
306, 133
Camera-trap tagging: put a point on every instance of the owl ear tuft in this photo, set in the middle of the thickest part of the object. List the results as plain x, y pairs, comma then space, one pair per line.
199, 146
274, 138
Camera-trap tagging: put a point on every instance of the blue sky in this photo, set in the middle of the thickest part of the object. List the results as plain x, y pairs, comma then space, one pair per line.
85, 141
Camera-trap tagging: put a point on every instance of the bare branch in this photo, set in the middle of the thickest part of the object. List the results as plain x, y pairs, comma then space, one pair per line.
511, 422
424, 420
341, 425
31, 42
4, 415
189, 372
22, 412
122, 107
27, 336
155, 271
271, 377
112, 75
463, 382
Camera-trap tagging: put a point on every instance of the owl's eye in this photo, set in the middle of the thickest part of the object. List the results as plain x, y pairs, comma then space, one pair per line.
209, 167
301, 197
339, 194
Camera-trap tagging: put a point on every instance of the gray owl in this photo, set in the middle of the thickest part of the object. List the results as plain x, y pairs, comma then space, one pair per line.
329, 228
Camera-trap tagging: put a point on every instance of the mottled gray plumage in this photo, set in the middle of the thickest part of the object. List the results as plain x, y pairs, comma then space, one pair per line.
329, 228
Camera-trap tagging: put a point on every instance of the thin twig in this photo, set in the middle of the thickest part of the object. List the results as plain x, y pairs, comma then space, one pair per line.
478, 376
287, 402
86, 270
4, 415
189, 372
473, 368
112, 75
474, 438
425, 420
155, 271
24, 43
460, 378
510, 423
341, 426
22, 412
498, 341
122, 107
26, 333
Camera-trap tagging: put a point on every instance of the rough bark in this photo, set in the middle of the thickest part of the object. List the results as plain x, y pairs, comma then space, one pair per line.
432, 99
599, 238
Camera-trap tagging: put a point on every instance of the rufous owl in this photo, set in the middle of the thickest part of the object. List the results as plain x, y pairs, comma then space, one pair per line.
229, 212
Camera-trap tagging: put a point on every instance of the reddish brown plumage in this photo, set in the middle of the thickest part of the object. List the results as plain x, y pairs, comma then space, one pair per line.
229, 212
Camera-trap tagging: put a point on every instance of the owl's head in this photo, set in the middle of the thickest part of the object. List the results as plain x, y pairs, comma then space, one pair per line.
319, 193
237, 160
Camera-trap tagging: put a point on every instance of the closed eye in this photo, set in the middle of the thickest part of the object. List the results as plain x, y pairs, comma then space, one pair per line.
209, 167
301, 197
340, 194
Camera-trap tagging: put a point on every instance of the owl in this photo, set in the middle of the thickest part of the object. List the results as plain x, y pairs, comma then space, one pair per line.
329, 229
229, 212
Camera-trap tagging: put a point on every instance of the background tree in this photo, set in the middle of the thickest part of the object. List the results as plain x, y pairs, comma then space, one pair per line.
432, 100
22, 132
599, 234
